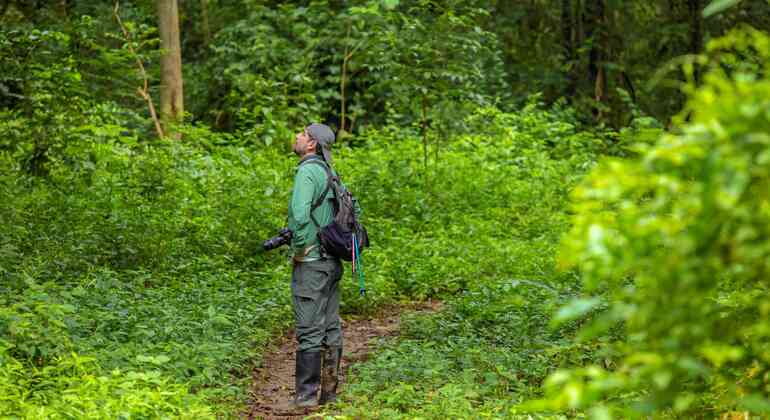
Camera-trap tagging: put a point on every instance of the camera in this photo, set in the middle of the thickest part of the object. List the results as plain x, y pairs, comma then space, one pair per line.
282, 238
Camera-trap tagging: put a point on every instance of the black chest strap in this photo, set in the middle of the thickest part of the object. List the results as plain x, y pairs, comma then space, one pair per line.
318, 201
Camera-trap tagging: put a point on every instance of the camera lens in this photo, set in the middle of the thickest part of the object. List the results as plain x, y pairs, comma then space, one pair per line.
283, 237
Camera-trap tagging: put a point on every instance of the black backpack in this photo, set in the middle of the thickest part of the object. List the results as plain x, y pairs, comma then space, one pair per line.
336, 238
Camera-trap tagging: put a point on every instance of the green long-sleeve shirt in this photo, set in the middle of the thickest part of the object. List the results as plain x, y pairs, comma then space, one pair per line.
309, 183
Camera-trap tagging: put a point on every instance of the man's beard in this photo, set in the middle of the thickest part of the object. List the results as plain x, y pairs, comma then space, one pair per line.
299, 151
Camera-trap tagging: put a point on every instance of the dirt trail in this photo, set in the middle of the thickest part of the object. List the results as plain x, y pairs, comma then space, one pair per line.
273, 383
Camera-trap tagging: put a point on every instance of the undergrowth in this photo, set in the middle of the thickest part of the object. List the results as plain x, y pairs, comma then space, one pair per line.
132, 281
493, 345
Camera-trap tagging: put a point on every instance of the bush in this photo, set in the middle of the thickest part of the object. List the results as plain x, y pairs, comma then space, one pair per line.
73, 386
673, 244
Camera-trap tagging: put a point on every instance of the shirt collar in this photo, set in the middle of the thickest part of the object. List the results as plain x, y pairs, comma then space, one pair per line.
307, 158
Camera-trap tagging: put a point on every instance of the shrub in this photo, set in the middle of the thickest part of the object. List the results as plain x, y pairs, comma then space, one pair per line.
674, 243
73, 386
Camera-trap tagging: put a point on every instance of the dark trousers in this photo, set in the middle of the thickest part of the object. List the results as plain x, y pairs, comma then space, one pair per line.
316, 300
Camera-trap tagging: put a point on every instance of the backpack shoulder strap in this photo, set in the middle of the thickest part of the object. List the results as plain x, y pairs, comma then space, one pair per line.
329, 181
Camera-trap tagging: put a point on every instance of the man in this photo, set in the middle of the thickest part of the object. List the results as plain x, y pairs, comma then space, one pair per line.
315, 275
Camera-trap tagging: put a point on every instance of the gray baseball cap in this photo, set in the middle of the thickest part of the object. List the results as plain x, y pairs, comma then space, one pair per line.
324, 136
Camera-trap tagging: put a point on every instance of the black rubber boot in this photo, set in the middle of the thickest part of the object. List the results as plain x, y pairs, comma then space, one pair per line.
308, 378
330, 374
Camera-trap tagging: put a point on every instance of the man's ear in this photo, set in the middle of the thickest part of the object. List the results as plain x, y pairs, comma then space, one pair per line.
312, 143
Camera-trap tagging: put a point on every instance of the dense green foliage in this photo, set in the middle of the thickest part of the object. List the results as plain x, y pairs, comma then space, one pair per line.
673, 246
130, 279
491, 347
143, 258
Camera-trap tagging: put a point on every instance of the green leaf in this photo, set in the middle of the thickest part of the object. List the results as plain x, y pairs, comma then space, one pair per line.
390, 4
154, 360
756, 403
575, 309
718, 6
600, 412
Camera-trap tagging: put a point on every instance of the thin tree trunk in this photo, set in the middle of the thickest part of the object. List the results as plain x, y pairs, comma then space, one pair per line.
171, 94
349, 53
505, 39
144, 91
439, 137
344, 80
566, 27
630, 85
696, 30
61, 9
425, 131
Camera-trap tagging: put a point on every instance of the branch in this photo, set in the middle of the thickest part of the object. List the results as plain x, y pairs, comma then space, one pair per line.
353, 51
343, 81
144, 90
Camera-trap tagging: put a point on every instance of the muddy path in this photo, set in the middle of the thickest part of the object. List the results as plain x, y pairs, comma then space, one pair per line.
273, 382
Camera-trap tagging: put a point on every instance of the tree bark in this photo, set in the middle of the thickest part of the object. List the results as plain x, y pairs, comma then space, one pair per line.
61, 9
171, 93
629, 85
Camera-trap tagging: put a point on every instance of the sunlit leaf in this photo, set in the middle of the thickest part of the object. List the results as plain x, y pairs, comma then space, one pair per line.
718, 6
576, 309
390, 4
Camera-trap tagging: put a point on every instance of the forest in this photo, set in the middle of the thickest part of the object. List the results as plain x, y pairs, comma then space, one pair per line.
581, 187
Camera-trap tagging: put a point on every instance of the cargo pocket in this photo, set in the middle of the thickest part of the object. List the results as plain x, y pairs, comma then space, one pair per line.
309, 279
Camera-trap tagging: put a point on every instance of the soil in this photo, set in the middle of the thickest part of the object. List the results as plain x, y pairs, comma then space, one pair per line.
273, 382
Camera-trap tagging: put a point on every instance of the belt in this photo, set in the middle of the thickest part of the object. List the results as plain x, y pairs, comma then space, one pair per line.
303, 256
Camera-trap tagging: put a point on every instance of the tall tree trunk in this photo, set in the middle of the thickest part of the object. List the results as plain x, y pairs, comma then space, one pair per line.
568, 45
424, 126
344, 80
696, 30
171, 94
596, 31
61, 9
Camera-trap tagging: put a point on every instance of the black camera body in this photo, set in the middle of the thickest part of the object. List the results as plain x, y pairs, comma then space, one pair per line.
282, 238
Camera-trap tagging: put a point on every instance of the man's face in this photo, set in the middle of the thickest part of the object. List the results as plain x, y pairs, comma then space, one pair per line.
303, 144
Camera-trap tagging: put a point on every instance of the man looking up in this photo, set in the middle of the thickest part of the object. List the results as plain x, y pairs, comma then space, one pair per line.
315, 274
